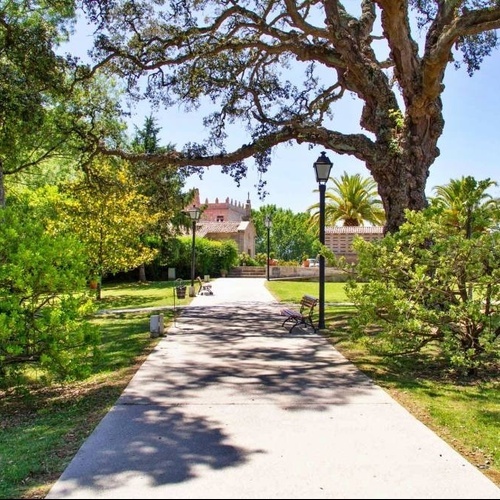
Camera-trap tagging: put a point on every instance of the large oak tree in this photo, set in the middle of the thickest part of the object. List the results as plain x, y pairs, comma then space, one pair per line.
243, 56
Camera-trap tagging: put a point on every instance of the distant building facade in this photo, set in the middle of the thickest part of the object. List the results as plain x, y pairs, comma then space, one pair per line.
223, 220
227, 220
339, 239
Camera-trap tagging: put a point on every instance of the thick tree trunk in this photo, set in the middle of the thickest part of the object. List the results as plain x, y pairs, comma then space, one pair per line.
400, 188
401, 171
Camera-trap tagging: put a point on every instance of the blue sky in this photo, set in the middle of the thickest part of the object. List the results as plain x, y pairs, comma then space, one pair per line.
470, 144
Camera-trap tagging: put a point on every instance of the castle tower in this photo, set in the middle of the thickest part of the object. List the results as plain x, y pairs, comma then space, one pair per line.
226, 211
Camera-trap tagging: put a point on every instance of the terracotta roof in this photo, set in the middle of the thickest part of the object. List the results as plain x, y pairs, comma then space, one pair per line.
203, 228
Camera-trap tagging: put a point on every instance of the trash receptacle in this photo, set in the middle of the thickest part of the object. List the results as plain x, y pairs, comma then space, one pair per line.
180, 289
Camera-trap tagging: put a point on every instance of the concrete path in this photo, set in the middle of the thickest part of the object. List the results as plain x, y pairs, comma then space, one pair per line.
229, 405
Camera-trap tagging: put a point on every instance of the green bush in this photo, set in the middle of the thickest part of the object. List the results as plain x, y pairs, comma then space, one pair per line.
261, 259
44, 301
430, 286
246, 260
226, 255
211, 256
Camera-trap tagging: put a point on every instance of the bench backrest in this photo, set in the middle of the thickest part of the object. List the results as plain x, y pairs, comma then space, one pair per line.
200, 281
308, 302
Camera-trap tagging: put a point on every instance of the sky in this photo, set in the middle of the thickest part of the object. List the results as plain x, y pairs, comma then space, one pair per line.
470, 144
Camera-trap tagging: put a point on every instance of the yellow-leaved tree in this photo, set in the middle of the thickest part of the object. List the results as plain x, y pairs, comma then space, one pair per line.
111, 217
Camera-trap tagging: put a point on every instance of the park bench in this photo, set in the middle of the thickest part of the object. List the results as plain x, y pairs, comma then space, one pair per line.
304, 316
205, 288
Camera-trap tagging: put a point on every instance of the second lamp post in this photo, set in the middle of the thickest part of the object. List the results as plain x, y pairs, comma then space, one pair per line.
322, 167
268, 223
194, 215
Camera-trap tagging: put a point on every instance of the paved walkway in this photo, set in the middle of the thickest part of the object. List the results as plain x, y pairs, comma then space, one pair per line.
229, 405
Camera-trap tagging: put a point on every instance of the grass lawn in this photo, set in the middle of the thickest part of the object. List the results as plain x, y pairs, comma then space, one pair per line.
42, 428
150, 294
292, 291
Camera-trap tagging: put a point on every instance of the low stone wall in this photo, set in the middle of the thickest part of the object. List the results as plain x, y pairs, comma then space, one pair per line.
312, 273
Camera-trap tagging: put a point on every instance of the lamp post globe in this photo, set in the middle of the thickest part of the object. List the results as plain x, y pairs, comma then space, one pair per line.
322, 167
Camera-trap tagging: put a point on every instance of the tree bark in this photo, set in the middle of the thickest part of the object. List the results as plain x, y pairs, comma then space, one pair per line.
142, 273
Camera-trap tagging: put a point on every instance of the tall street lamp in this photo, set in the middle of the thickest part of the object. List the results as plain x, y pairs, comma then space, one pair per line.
322, 167
268, 223
194, 215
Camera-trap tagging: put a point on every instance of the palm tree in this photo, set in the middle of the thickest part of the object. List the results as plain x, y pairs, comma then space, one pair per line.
353, 199
466, 204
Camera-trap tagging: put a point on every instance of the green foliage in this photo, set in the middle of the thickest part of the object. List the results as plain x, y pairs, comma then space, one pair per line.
467, 205
205, 255
396, 132
30, 72
112, 218
43, 304
289, 235
320, 249
45, 112
398, 118
226, 256
246, 260
260, 259
353, 200
430, 287
162, 187
210, 256
258, 219
179, 256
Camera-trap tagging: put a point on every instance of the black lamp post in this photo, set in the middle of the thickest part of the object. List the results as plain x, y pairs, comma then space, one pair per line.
194, 215
268, 223
322, 166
